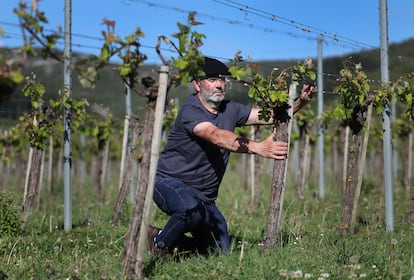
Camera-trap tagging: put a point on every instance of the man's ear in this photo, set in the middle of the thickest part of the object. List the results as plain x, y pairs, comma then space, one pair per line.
196, 85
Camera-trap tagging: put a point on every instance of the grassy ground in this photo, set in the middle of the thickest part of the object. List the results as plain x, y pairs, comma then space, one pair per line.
310, 246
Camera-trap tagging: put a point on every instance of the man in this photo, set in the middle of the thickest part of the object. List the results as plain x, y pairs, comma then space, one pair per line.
192, 164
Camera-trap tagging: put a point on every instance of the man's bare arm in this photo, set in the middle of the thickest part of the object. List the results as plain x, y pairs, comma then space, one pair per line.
235, 143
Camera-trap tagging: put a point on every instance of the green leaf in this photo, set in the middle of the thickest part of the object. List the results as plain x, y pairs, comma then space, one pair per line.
237, 72
125, 69
311, 74
273, 95
194, 23
87, 78
180, 64
378, 110
40, 89
54, 103
182, 43
283, 96
409, 98
366, 86
85, 83
130, 38
251, 93
183, 28
339, 111
35, 105
95, 131
105, 53
16, 76
185, 77
166, 40
295, 78
361, 99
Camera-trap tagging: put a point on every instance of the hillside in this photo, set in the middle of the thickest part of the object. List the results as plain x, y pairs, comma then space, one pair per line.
110, 91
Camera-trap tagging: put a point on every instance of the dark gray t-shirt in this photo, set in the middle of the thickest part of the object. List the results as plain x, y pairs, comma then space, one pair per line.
193, 160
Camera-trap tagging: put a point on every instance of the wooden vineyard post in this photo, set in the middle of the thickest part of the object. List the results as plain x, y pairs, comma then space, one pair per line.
134, 255
155, 151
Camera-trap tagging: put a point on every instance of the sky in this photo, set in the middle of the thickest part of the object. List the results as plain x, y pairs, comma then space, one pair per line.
261, 29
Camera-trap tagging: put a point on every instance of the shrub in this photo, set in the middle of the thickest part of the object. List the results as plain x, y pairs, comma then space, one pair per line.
10, 221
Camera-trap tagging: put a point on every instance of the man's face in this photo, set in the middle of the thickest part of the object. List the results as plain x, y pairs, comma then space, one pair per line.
212, 90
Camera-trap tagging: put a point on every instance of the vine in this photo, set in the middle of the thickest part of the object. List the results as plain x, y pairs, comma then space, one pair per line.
189, 57
127, 50
271, 93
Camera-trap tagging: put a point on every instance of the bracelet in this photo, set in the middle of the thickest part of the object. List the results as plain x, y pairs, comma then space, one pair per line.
243, 145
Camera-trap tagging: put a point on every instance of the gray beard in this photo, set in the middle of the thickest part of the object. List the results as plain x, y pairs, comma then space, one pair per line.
214, 104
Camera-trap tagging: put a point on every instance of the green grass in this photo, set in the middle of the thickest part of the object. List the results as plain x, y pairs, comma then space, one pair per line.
310, 246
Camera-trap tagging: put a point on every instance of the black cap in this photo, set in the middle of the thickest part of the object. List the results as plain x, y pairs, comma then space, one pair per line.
214, 68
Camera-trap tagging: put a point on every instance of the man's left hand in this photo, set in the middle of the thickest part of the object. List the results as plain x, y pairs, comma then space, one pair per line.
307, 92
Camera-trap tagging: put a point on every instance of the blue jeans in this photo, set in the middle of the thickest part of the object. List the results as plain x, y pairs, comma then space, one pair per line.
188, 213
